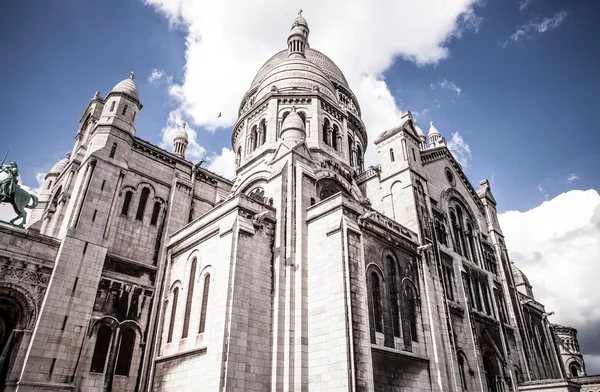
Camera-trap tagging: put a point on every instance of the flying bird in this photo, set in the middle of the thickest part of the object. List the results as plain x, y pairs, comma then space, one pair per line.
219, 115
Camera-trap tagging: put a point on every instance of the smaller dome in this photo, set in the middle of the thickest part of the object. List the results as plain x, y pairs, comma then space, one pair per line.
420, 132
181, 134
60, 165
300, 20
292, 128
433, 130
127, 86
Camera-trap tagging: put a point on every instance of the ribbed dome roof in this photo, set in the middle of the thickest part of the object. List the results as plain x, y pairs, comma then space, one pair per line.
312, 55
292, 128
60, 165
127, 86
433, 130
181, 134
296, 73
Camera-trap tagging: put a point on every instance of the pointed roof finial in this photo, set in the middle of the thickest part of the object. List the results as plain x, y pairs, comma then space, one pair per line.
131, 75
184, 125
300, 12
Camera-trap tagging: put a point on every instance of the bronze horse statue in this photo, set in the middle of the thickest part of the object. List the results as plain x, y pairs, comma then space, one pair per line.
20, 200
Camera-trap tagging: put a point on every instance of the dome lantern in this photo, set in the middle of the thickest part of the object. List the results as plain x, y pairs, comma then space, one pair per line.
180, 141
298, 37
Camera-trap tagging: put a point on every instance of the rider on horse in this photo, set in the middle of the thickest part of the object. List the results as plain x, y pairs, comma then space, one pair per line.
8, 184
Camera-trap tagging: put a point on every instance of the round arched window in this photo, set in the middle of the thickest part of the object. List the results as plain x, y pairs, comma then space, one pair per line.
450, 177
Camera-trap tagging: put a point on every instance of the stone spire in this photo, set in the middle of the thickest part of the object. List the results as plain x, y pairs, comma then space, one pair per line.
298, 37
435, 138
180, 141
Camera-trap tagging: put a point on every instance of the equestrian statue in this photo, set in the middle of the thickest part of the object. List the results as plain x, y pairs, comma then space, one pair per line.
11, 192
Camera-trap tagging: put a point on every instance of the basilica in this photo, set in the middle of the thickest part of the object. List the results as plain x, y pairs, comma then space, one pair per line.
142, 271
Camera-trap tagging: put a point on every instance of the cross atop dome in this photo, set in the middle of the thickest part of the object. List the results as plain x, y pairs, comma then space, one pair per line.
131, 75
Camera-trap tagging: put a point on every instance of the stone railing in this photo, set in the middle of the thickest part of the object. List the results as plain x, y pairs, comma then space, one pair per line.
372, 171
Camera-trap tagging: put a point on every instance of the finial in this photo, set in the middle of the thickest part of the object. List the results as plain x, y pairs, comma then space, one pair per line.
184, 125
131, 75
97, 95
294, 106
430, 122
68, 155
300, 12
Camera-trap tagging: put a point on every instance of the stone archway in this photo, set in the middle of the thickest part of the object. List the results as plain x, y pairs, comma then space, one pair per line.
17, 313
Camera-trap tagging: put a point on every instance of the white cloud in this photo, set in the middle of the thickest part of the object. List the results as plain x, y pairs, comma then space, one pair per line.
538, 26
572, 177
542, 190
557, 245
227, 42
175, 121
524, 4
158, 76
450, 86
223, 164
460, 149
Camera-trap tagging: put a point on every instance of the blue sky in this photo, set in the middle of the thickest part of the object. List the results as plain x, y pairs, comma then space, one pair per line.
514, 80
527, 110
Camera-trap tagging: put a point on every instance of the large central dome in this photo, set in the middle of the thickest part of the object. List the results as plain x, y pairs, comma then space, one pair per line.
312, 55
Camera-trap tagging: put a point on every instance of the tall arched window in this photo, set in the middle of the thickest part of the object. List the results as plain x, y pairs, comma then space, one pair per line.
393, 287
155, 212
456, 231
124, 110
142, 206
376, 291
392, 158
471, 239
126, 203
412, 312
238, 157
204, 304
125, 353
334, 137
263, 132
189, 299
326, 131
350, 156
254, 138
173, 314
112, 106
113, 150
101, 349
460, 232
461, 370
360, 158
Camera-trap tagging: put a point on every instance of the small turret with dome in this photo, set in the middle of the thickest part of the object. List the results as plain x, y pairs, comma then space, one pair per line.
122, 105
435, 137
298, 37
292, 129
421, 136
180, 141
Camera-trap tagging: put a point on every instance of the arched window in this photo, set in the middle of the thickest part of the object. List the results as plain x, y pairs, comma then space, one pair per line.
189, 299
326, 131
471, 239
263, 132
126, 203
113, 150
173, 314
204, 304
461, 370
238, 157
359, 158
574, 370
456, 230
412, 312
460, 232
155, 212
112, 106
254, 138
124, 110
393, 287
125, 353
303, 117
376, 292
133, 118
142, 206
350, 156
101, 349
334, 137
392, 158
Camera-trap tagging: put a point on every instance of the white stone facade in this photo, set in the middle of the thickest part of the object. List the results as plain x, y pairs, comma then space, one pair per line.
308, 272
